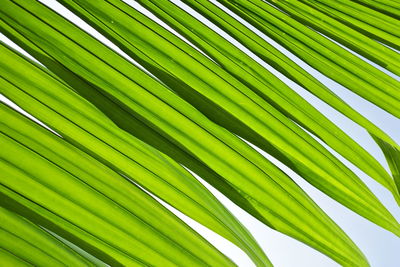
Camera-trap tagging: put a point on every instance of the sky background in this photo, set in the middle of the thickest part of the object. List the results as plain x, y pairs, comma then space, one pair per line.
380, 246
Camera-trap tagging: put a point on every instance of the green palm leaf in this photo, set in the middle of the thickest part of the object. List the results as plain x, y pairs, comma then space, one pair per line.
132, 202
248, 190
281, 62
322, 54
388, 7
32, 244
285, 99
166, 179
379, 54
362, 19
81, 192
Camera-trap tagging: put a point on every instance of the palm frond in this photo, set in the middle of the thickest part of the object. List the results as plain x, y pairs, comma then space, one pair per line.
122, 129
